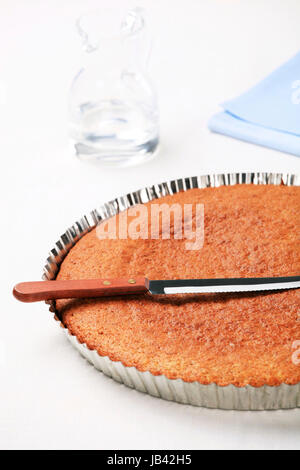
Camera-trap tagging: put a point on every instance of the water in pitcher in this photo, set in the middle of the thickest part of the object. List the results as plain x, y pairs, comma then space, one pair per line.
113, 132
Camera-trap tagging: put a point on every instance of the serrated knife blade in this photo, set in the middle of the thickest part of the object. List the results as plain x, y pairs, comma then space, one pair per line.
205, 286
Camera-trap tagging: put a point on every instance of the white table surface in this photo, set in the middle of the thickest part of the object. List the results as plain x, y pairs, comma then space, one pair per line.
204, 52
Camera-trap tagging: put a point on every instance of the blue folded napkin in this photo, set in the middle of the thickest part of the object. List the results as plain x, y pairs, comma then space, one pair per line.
268, 114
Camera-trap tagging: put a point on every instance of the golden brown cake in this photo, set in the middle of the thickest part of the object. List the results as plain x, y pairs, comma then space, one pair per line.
239, 339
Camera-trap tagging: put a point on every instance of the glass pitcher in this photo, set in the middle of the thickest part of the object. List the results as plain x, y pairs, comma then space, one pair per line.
113, 108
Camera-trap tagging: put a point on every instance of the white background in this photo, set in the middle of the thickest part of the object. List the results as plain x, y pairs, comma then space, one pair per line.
204, 52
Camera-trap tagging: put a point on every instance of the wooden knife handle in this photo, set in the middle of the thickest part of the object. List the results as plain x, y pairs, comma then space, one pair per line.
52, 290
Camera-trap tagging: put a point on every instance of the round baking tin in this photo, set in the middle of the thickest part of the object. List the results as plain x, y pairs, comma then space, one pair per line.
194, 393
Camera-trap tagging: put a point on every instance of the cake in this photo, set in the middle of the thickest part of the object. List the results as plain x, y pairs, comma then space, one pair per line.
240, 338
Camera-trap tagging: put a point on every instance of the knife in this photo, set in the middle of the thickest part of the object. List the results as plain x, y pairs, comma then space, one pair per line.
83, 288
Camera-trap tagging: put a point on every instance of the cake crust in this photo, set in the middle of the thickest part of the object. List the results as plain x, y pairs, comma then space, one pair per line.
238, 339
